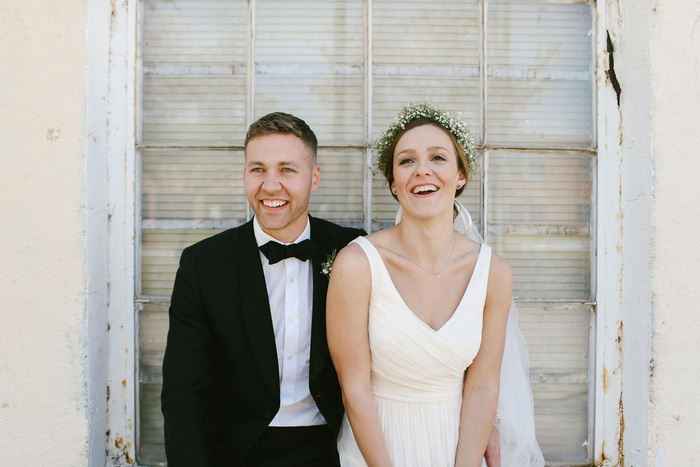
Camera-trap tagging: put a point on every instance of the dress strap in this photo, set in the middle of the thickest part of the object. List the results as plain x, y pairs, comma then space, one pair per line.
376, 263
483, 261
371, 251
480, 277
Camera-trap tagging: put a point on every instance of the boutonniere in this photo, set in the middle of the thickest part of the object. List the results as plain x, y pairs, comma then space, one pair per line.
327, 265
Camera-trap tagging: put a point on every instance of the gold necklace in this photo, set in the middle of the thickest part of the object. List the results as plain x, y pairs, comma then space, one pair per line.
454, 242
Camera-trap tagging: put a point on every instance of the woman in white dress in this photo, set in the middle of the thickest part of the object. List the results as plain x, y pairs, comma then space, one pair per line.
412, 307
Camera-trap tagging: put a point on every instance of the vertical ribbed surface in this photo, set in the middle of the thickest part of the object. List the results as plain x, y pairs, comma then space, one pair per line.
536, 106
539, 74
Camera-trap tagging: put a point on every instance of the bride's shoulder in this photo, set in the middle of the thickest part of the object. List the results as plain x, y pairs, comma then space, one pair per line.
500, 272
351, 259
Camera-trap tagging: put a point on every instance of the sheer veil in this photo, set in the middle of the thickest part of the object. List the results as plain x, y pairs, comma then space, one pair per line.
516, 424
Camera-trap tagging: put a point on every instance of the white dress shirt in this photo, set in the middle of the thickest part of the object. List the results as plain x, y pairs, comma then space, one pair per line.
290, 291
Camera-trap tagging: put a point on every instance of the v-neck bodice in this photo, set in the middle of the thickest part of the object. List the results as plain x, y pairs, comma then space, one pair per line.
417, 372
397, 335
383, 270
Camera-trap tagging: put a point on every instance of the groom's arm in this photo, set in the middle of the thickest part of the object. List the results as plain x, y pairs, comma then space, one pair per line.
187, 371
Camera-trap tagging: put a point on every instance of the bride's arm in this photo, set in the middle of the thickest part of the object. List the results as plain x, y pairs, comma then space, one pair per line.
480, 395
347, 310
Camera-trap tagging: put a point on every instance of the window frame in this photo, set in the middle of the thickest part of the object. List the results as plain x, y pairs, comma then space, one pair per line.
123, 204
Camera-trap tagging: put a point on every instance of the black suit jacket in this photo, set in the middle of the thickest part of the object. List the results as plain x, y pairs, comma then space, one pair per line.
220, 372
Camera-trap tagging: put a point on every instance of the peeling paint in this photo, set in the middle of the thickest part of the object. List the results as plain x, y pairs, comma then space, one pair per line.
122, 452
610, 72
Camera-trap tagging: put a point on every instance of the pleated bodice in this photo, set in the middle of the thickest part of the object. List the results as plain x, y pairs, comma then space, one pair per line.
417, 372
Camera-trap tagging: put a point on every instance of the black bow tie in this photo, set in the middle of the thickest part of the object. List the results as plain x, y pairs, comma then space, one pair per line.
276, 252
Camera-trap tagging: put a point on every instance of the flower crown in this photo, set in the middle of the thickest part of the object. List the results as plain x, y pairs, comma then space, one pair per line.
411, 112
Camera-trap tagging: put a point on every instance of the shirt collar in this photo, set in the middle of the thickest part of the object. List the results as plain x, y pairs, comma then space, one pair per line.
262, 238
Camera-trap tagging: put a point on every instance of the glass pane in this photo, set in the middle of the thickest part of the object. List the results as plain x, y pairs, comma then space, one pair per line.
153, 331
384, 206
539, 212
559, 341
309, 61
160, 257
426, 50
540, 74
340, 195
194, 67
191, 184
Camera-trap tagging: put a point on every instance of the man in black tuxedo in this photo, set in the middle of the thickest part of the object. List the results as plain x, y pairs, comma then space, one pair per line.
247, 378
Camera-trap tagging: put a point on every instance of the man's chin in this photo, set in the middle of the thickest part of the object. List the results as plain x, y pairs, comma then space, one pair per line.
272, 223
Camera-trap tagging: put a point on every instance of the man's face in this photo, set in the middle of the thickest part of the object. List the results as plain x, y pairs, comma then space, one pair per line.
280, 174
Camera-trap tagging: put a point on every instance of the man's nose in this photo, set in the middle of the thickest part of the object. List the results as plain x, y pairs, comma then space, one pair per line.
271, 182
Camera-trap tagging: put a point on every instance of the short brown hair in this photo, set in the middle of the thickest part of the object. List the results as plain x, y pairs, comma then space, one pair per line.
280, 123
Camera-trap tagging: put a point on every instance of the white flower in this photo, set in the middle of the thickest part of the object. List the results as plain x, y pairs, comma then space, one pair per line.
425, 110
327, 265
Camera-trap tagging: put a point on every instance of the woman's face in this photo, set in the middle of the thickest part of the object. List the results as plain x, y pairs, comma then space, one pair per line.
425, 171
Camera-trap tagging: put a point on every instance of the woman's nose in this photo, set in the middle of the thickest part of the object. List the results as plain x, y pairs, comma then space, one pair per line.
422, 167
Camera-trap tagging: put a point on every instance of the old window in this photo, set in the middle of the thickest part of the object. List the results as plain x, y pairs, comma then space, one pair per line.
519, 71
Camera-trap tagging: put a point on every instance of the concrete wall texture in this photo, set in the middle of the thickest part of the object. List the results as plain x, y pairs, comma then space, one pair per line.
675, 85
43, 49
45, 411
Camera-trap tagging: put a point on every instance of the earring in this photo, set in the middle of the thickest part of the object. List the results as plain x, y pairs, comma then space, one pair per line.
459, 186
393, 190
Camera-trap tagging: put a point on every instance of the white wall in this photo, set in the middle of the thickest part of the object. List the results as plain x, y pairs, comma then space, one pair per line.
629, 26
42, 271
675, 384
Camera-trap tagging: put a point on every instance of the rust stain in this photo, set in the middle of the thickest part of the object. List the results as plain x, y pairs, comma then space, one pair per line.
129, 459
124, 382
600, 460
123, 450
620, 440
606, 379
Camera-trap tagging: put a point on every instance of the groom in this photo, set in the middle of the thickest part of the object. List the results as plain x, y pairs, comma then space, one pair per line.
247, 378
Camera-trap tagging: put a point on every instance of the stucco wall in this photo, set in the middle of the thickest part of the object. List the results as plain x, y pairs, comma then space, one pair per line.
42, 271
675, 386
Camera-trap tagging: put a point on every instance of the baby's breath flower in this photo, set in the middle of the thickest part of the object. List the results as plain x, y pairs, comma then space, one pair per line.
411, 112
327, 265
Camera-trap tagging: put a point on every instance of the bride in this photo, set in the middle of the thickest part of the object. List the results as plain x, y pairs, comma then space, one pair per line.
417, 317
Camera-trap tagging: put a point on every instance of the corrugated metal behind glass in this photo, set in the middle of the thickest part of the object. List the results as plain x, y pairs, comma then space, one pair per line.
194, 72
309, 61
539, 74
519, 72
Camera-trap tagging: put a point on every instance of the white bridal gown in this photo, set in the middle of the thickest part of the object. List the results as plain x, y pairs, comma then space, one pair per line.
418, 372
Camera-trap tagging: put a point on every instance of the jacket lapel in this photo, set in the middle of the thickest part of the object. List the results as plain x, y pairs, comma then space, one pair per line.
319, 345
255, 305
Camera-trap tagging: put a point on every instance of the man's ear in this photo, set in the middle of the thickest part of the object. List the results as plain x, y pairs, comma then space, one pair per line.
315, 178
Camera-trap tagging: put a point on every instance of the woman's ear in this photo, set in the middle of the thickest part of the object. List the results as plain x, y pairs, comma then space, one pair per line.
461, 180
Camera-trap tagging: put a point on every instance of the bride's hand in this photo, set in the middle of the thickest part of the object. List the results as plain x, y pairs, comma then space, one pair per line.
493, 450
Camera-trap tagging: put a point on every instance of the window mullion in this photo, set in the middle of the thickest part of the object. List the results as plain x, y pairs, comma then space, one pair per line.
367, 202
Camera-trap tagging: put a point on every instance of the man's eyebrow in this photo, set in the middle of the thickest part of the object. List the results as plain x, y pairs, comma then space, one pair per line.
279, 164
283, 163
